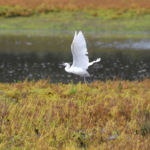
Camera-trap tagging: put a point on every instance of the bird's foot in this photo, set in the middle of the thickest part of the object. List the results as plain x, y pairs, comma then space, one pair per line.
86, 82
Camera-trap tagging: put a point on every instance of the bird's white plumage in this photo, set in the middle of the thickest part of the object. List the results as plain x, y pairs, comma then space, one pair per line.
95, 61
80, 58
79, 51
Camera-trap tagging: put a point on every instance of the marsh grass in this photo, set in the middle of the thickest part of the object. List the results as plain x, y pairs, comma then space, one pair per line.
30, 19
105, 9
42, 115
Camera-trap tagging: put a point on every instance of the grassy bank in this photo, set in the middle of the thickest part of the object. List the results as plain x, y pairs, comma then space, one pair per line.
39, 115
70, 15
116, 7
71, 21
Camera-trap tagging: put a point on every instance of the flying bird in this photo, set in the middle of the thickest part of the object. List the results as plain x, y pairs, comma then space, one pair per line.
80, 58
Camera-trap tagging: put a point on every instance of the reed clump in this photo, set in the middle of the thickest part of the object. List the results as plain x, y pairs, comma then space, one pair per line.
42, 115
105, 8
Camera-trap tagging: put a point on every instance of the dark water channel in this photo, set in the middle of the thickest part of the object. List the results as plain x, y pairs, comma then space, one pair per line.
39, 57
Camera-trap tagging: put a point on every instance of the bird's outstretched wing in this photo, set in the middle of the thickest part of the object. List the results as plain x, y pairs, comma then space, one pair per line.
79, 51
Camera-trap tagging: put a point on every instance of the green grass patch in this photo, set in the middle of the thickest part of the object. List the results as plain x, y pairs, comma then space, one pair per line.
71, 21
52, 19
42, 115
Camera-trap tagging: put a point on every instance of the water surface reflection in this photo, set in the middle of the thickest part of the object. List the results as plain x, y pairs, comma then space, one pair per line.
39, 58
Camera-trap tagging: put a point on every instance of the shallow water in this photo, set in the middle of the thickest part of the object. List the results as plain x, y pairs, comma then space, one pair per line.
38, 57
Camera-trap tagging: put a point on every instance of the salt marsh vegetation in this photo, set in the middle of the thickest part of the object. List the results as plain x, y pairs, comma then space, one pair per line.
108, 115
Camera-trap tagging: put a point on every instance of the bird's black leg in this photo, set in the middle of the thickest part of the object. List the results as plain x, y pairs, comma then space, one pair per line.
86, 82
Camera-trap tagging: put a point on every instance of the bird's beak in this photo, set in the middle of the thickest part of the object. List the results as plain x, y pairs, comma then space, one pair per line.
61, 64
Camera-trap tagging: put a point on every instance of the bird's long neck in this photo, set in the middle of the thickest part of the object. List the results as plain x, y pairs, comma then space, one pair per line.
67, 68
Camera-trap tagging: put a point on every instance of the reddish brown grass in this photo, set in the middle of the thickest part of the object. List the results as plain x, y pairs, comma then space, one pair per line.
39, 115
81, 4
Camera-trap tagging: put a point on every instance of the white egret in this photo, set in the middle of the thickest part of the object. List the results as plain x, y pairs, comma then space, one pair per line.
80, 58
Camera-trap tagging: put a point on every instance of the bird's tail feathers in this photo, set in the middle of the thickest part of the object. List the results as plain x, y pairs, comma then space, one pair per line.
95, 61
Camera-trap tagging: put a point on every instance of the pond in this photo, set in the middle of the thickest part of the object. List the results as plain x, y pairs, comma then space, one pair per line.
38, 57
